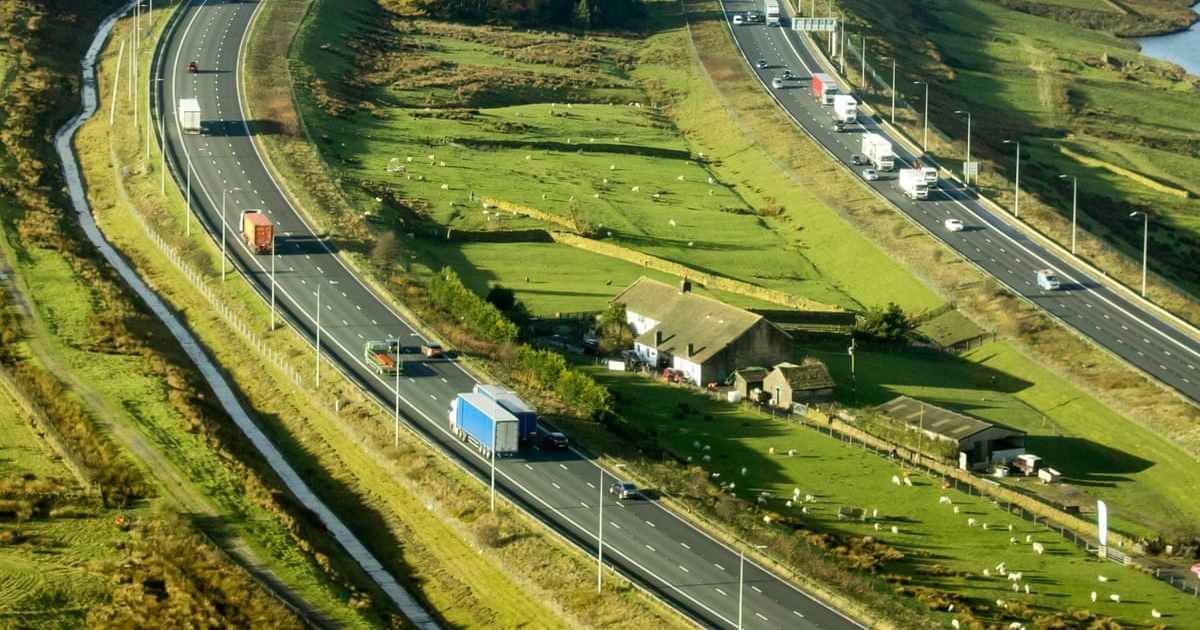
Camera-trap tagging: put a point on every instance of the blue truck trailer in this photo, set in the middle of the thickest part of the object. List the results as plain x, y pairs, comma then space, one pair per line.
526, 415
484, 424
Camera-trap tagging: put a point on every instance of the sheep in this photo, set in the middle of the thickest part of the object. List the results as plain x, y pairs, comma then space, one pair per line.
1028, 538
767, 519
1016, 588
672, 221
985, 525
956, 509
808, 498
612, 167
1012, 540
1116, 599
761, 499
987, 573
804, 510
658, 196
788, 503
409, 158
431, 158
441, 163
895, 480
707, 447
596, 195
635, 189
715, 475
1016, 576
605, 180
1010, 527
1039, 549
691, 243
1026, 589
711, 180
591, 139
1001, 604
743, 471
1102, 578
874, 513
1093, 597
908, 482
895, 530
1002, 567
1154, 613
679, 179
971, 522
1014, 625
544, 195
795, 492
876, 526
791, 452
771, 451
445, 186
954, 623
695, 444
943, 500
950, 608
707, 458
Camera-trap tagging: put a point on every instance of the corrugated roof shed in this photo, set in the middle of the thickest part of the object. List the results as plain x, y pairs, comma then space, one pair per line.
684, 317
954, 426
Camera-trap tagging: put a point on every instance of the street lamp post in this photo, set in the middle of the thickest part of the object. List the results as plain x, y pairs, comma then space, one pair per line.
600, 534
742, 579
1074, 206
396, 427
893, 90
187, 219
925, 141
1145, 244
318, 369
864, 66
1017, 188
966, 172
272, 279
224, 228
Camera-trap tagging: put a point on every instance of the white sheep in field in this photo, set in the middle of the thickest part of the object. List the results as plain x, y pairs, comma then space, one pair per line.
1010, 527
971, 522
544, 195
672, 221
1154, 613
1001, 604
1116, 599
441, 163
895, 530
908, 482
707, 458
605, 180
711, 180
1093, 597
1039, 549
707, 447
795, 492
445, 186
895, 480
791, 452
657, 196
987, 573
804, 510
1102, 578
1014, 625
1026, 589
591, 139
612, 167
767, 519
1002, 567
743, 471
771, 451
808, 498
954, 624
528, 157
943, 500
710, 193
431, 158
950, 608
1016, 588
716, 475
876, 526
695, 444
985, 525
1012, 540
788, 503
679, 179
956, 509
596, 195
1028, 538
874, 513
1016, 576
409, 158
635, 189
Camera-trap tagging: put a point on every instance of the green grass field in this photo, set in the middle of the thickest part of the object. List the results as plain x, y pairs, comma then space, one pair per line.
930, 534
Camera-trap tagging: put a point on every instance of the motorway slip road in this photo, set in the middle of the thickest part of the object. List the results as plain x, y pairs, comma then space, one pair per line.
642, 539
1118, 324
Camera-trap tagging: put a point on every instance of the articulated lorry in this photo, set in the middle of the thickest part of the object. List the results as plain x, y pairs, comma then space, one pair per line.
772, 7
258, 232
189, 115
916, 182
381, 355
824, 88
508, 399
484, 424
878, 152
845, 108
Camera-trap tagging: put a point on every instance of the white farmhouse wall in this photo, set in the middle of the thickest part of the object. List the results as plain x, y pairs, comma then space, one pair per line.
639, 323
691, 370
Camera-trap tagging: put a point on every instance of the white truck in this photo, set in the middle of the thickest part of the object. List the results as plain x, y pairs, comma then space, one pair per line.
189, 115
912, 182
845, 108
878, 152
772, 10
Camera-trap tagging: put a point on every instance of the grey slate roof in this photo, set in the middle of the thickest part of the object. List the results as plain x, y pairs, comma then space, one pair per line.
949, 424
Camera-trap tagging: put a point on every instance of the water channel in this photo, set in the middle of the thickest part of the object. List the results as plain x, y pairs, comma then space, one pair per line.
1182, 48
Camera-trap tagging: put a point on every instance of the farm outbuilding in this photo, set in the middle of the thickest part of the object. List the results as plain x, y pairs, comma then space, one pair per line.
747, 379
808, 382
979, 443
703, 339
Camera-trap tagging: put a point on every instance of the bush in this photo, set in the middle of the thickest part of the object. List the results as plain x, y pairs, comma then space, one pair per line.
481, 317
889, 324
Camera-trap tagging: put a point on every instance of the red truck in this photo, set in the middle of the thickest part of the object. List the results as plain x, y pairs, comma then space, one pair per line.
258, 231
823, 88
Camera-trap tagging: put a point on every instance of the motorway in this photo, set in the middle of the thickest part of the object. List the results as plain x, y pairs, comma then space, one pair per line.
643, 540
1116, 323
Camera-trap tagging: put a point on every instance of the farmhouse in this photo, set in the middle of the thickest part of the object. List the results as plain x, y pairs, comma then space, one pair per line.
979, 443
808, 382
703, 339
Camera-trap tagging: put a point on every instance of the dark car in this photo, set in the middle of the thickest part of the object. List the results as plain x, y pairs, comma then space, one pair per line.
857, 160
193, 67
623, 490
554, 440
762, 63
787, 74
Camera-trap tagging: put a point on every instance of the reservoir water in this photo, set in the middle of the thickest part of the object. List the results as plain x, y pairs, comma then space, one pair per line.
1182, 48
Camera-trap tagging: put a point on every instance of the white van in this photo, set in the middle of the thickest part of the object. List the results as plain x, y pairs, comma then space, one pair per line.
1048, 280
738, 20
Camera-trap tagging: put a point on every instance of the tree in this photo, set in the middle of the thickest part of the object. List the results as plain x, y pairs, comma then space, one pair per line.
885, 324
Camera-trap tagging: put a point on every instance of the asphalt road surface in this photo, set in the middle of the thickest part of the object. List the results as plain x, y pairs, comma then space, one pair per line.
1111, 320
645, 541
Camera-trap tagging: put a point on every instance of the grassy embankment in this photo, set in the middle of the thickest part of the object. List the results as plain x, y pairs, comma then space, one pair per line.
424, 518
752, 153
940, 550
1083, 102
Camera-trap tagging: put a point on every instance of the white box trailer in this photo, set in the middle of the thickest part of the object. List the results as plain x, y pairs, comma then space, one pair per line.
912, 182
189, 115
878, 151
845, 108
772, 10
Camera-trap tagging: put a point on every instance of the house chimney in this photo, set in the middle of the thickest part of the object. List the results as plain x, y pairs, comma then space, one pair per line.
691, 349
685, 286
657, 338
